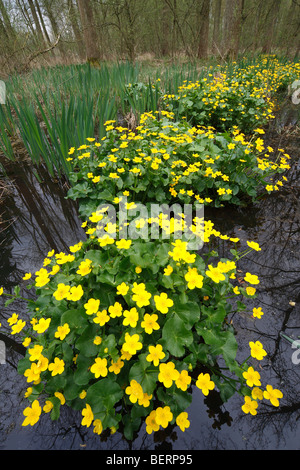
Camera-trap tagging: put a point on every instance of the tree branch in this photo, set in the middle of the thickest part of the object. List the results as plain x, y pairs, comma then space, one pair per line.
41, 52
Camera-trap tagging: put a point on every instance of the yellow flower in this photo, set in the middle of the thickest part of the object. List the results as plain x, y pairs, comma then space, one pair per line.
35, 352
255, 246
99, 368
32, 414
163, 416
141, 296
257, 350
62, 331
226, 267
101, 317
250, 406
135, 391
257, 312
272, 394
114, 175
27, 276
42, 325
131, 317
115, 310
42, 278
204, 383
155, 354
123, 244
76, 247
132, 343
28, 392
250, 290
48, 406
122, 289
106, 240
61, 398
84, 267
61, 292
252, 377
98, 427
57, 367
75, 293
26, 342
221, 191
32, 374
182, 421
42, 363
168, 270
62, 258
151, 424
183, 380
92, 306
145, 401
54, 270
149, 323
13, 319
194, 279
163, 303
257, 393
215, 274
88, 416
97, 340
167, 373
116, 366
95, 217
251, 278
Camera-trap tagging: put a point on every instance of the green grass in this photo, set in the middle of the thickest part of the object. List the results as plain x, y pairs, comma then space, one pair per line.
55, 108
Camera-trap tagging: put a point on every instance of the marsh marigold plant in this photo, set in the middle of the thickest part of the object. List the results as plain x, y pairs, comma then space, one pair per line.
122, 329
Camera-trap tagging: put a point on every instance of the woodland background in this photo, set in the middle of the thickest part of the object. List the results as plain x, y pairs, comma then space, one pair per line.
49, 32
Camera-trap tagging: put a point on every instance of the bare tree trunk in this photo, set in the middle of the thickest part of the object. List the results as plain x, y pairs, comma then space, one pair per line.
36, 22
42, 22
89, 33
7, 24
165, 48
54, 25
130, 36
204, 30
176, 28
78, 37
217, 26
233, 26
26, 17
3, 32
270, 23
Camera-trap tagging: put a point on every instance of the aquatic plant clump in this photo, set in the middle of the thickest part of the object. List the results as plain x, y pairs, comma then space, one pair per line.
122, 330
169, 162
236, 95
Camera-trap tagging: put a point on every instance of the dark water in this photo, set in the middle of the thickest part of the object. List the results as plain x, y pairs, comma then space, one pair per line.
38, 218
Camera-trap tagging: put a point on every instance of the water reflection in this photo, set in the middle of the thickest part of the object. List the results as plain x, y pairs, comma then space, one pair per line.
43, 220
